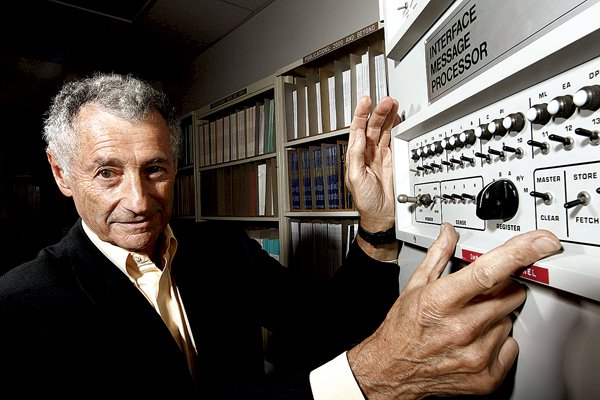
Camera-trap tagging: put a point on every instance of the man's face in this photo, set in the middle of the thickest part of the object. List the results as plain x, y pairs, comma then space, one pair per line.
122, 179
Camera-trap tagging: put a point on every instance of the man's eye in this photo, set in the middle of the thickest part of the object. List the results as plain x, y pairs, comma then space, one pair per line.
106, 173
155, 170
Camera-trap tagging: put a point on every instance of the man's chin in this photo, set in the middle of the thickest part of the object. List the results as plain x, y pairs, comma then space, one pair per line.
138, 242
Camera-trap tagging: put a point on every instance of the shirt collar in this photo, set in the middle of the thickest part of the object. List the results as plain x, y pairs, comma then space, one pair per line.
118, 256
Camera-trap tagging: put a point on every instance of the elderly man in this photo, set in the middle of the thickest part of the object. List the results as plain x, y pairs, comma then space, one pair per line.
131, 303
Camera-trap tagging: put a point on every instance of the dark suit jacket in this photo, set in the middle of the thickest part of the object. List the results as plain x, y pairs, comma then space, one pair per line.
72, 325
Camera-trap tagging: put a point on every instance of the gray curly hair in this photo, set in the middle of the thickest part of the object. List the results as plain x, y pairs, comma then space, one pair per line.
122, 95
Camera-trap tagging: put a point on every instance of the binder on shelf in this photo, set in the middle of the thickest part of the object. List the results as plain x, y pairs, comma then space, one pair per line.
306, 188
318, 184
294, 179
331, 174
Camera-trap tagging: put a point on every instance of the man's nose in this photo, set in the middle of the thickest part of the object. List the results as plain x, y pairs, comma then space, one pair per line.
136, 193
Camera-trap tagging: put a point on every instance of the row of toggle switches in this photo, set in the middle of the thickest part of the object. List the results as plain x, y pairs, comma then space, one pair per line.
586, 98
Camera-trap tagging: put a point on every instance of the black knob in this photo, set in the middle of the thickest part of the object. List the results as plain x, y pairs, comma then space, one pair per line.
588, 98
415, 155
541, 145
518, 151
562, 106
498, 200
593, 135
482, 132
538, 114
497, 128
565, 140
514, 122
424, 151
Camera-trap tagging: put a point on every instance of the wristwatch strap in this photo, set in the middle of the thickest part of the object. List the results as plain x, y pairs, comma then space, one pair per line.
378, 238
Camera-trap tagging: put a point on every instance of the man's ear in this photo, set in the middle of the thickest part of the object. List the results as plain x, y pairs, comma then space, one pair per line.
59, 175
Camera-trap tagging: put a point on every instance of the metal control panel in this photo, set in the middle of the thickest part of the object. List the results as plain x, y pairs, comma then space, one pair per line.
529, 161
503, 165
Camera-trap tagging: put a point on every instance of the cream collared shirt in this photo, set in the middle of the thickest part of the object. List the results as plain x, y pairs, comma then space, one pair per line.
333, 380
155, 284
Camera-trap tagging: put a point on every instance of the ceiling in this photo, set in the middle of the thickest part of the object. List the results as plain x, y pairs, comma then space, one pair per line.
47, 42
148, 37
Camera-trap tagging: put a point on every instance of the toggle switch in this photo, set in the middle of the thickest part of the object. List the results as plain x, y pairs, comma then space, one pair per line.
486, 157
566, 141
543, 146
547, 197
470, 160
497, 153
468, 196
583, 199
456, 196
498, 200
518, 152
422, 199
455, 161
593, 135
447, 163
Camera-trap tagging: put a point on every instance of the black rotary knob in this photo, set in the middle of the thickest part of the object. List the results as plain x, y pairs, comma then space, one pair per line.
498, 200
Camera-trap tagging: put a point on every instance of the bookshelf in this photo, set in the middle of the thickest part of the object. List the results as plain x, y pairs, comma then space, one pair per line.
236, 162
316, 98
184, 206
307, 108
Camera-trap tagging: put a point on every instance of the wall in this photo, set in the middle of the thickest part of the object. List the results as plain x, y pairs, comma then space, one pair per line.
282, 33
